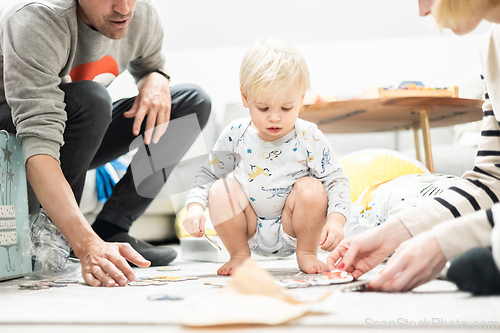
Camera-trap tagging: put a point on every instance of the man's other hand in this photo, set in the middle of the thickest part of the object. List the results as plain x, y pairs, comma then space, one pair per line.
105, 264
155, 103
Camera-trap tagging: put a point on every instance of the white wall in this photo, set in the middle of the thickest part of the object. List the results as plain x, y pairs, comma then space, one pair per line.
350, 46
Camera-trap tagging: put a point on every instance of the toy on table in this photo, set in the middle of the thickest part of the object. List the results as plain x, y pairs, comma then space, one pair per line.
410, 89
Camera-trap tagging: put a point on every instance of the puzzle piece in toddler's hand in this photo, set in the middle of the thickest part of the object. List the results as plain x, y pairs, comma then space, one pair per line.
215, 246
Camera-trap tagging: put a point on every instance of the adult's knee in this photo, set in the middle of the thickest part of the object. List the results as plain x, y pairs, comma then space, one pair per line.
196, 101
89, 103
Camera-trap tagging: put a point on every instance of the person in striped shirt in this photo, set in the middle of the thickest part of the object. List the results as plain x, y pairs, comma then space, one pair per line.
459, 224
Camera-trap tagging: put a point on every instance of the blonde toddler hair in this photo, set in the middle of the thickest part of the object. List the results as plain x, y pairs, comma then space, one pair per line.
270, 67
454, 13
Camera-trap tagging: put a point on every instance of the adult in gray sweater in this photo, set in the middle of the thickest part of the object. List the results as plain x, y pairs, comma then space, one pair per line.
56, 59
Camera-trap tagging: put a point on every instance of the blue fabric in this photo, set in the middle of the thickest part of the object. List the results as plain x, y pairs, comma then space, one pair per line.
106, 178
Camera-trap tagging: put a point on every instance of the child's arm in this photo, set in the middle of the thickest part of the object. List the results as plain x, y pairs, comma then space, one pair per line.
221, 162
324, 166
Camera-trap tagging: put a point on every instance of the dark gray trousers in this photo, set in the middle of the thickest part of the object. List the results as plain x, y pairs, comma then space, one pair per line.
475, 271
97, 132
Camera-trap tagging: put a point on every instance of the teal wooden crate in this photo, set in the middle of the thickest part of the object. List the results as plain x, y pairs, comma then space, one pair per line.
13, 209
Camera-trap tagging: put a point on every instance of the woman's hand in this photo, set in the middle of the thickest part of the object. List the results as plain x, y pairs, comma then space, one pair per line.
360, 254
415, 262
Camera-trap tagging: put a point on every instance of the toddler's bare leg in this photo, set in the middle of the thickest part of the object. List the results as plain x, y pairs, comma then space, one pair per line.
304, 217
233, 219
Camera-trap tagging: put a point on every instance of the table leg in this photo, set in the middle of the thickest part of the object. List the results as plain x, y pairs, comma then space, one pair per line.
424, 123
417, 143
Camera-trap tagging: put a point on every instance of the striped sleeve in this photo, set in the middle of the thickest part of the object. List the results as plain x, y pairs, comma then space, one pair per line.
458, 236
476, 192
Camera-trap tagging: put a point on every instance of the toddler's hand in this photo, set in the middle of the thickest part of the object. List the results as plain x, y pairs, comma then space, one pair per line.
194, 221
332, 234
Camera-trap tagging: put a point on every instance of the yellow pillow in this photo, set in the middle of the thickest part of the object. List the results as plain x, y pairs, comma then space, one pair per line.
369, 166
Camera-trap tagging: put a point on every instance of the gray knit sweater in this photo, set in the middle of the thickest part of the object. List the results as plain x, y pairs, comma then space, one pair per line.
43, 43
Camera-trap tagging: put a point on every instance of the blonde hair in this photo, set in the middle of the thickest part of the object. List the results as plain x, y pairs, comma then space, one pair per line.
454, 13
270, 67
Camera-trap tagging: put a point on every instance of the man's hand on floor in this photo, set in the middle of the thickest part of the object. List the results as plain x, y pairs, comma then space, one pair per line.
105, 264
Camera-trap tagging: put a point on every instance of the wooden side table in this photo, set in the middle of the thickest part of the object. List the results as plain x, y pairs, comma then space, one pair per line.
391, 114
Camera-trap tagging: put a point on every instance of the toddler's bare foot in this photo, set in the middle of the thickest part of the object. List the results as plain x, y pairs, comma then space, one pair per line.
309, 263
235, 261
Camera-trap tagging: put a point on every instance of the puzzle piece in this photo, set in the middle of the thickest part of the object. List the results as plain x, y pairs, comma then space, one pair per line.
163, 297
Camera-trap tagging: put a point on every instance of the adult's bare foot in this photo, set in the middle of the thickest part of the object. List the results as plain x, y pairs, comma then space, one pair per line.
235, 261
309, 263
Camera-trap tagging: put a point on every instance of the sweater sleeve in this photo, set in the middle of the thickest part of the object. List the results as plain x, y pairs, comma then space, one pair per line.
477, 191
35, 45
222, 161
323, 166
474, 230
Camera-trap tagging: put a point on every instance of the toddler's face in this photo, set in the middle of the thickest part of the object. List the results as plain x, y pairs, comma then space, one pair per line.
275, 116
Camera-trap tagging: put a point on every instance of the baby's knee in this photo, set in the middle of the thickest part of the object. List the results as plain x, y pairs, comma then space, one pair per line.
223, 187
310, 191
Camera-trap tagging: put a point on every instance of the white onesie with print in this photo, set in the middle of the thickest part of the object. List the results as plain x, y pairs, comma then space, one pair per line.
267, 171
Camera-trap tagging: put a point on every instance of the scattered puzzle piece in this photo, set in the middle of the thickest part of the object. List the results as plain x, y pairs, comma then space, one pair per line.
138, 284
163, 297
215, 283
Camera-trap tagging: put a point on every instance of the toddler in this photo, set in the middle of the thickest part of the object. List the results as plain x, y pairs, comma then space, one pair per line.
287, 193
